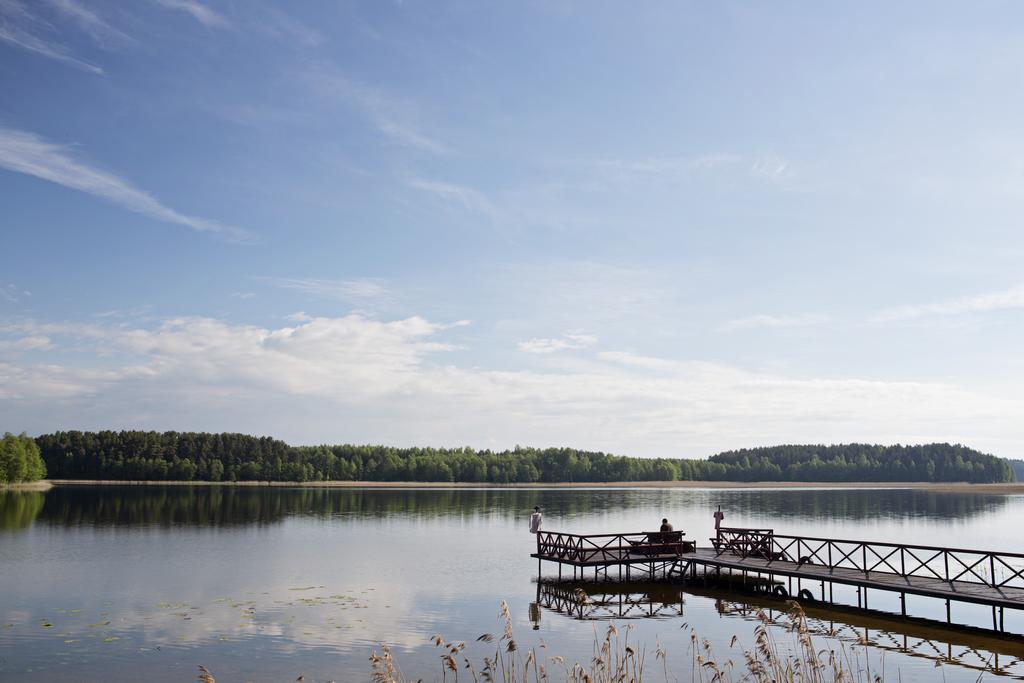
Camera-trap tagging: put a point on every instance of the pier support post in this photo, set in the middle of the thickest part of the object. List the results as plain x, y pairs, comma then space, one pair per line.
948, 620
903, 604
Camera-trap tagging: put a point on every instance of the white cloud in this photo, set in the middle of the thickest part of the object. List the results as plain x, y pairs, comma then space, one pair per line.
361, 291
24, 29
975, 303
399, 381
764, 320
198, 11
36, 342
24, 152
45, 382
568, 341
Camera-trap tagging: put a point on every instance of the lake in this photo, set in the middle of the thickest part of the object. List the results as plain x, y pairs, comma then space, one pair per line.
266, 584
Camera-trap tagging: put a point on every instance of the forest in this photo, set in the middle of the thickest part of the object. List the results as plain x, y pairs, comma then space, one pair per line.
192, 456
20, 460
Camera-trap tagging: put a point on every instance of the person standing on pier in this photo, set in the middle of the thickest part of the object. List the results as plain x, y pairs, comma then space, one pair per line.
719, 516
535, 520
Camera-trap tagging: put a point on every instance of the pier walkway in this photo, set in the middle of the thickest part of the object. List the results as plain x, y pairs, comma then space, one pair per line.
982, 577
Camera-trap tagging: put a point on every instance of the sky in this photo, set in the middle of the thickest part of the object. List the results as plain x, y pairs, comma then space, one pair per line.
667, 229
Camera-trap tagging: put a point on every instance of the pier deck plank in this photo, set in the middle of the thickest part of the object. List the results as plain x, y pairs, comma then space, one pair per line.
962, 591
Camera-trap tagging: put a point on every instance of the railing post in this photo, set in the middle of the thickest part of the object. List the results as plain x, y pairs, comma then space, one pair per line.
830, 567
992, 568
945, 558
903, 567
864, 557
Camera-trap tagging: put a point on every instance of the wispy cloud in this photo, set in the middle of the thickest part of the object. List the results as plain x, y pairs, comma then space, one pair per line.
283, 27
975, 303
768, 167
26, 30
37, 342
24, 152
12, 293
764, 320
98, 28
361, 291
460, 195
392, 116
572, 340
200, 12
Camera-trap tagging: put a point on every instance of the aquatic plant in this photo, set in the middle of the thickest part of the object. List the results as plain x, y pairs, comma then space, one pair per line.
617, 660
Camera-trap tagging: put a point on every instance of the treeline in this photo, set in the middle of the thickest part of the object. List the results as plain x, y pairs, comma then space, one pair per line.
187, 456
20, 460
935, 462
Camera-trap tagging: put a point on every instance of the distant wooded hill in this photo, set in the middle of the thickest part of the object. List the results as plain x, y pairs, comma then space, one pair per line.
187, 456
1018, 468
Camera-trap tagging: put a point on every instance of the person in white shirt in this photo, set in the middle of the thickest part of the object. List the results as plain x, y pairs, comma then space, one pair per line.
535, 520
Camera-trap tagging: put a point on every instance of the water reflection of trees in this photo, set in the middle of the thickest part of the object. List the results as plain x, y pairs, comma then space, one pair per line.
226, 505
853, 504
18, 509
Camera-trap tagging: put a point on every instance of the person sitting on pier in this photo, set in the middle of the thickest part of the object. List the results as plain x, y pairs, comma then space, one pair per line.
665, 526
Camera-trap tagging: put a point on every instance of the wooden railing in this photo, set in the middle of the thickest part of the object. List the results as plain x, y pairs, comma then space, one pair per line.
987, 568
588, 548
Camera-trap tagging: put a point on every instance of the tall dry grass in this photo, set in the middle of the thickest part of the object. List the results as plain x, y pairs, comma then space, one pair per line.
617, 660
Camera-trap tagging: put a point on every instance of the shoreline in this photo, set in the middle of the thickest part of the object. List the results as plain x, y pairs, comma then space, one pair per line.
41, 485
944, 487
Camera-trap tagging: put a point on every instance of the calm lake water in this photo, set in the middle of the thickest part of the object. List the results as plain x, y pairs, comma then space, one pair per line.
147, 583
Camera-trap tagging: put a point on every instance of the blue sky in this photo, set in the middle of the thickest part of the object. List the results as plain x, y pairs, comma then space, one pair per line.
660, 230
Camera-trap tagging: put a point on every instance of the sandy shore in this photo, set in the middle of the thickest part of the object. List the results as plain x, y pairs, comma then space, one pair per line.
31, 486
960, 487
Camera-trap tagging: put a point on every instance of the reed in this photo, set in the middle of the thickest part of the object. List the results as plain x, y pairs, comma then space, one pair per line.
617, 660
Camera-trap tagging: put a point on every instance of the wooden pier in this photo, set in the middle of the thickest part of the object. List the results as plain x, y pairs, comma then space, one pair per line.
981, 577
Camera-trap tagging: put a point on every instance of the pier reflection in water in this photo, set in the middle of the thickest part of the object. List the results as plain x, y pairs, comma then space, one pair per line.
616, 601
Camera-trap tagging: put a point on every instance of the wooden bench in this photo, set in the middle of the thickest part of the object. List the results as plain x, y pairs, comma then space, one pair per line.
662, 543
